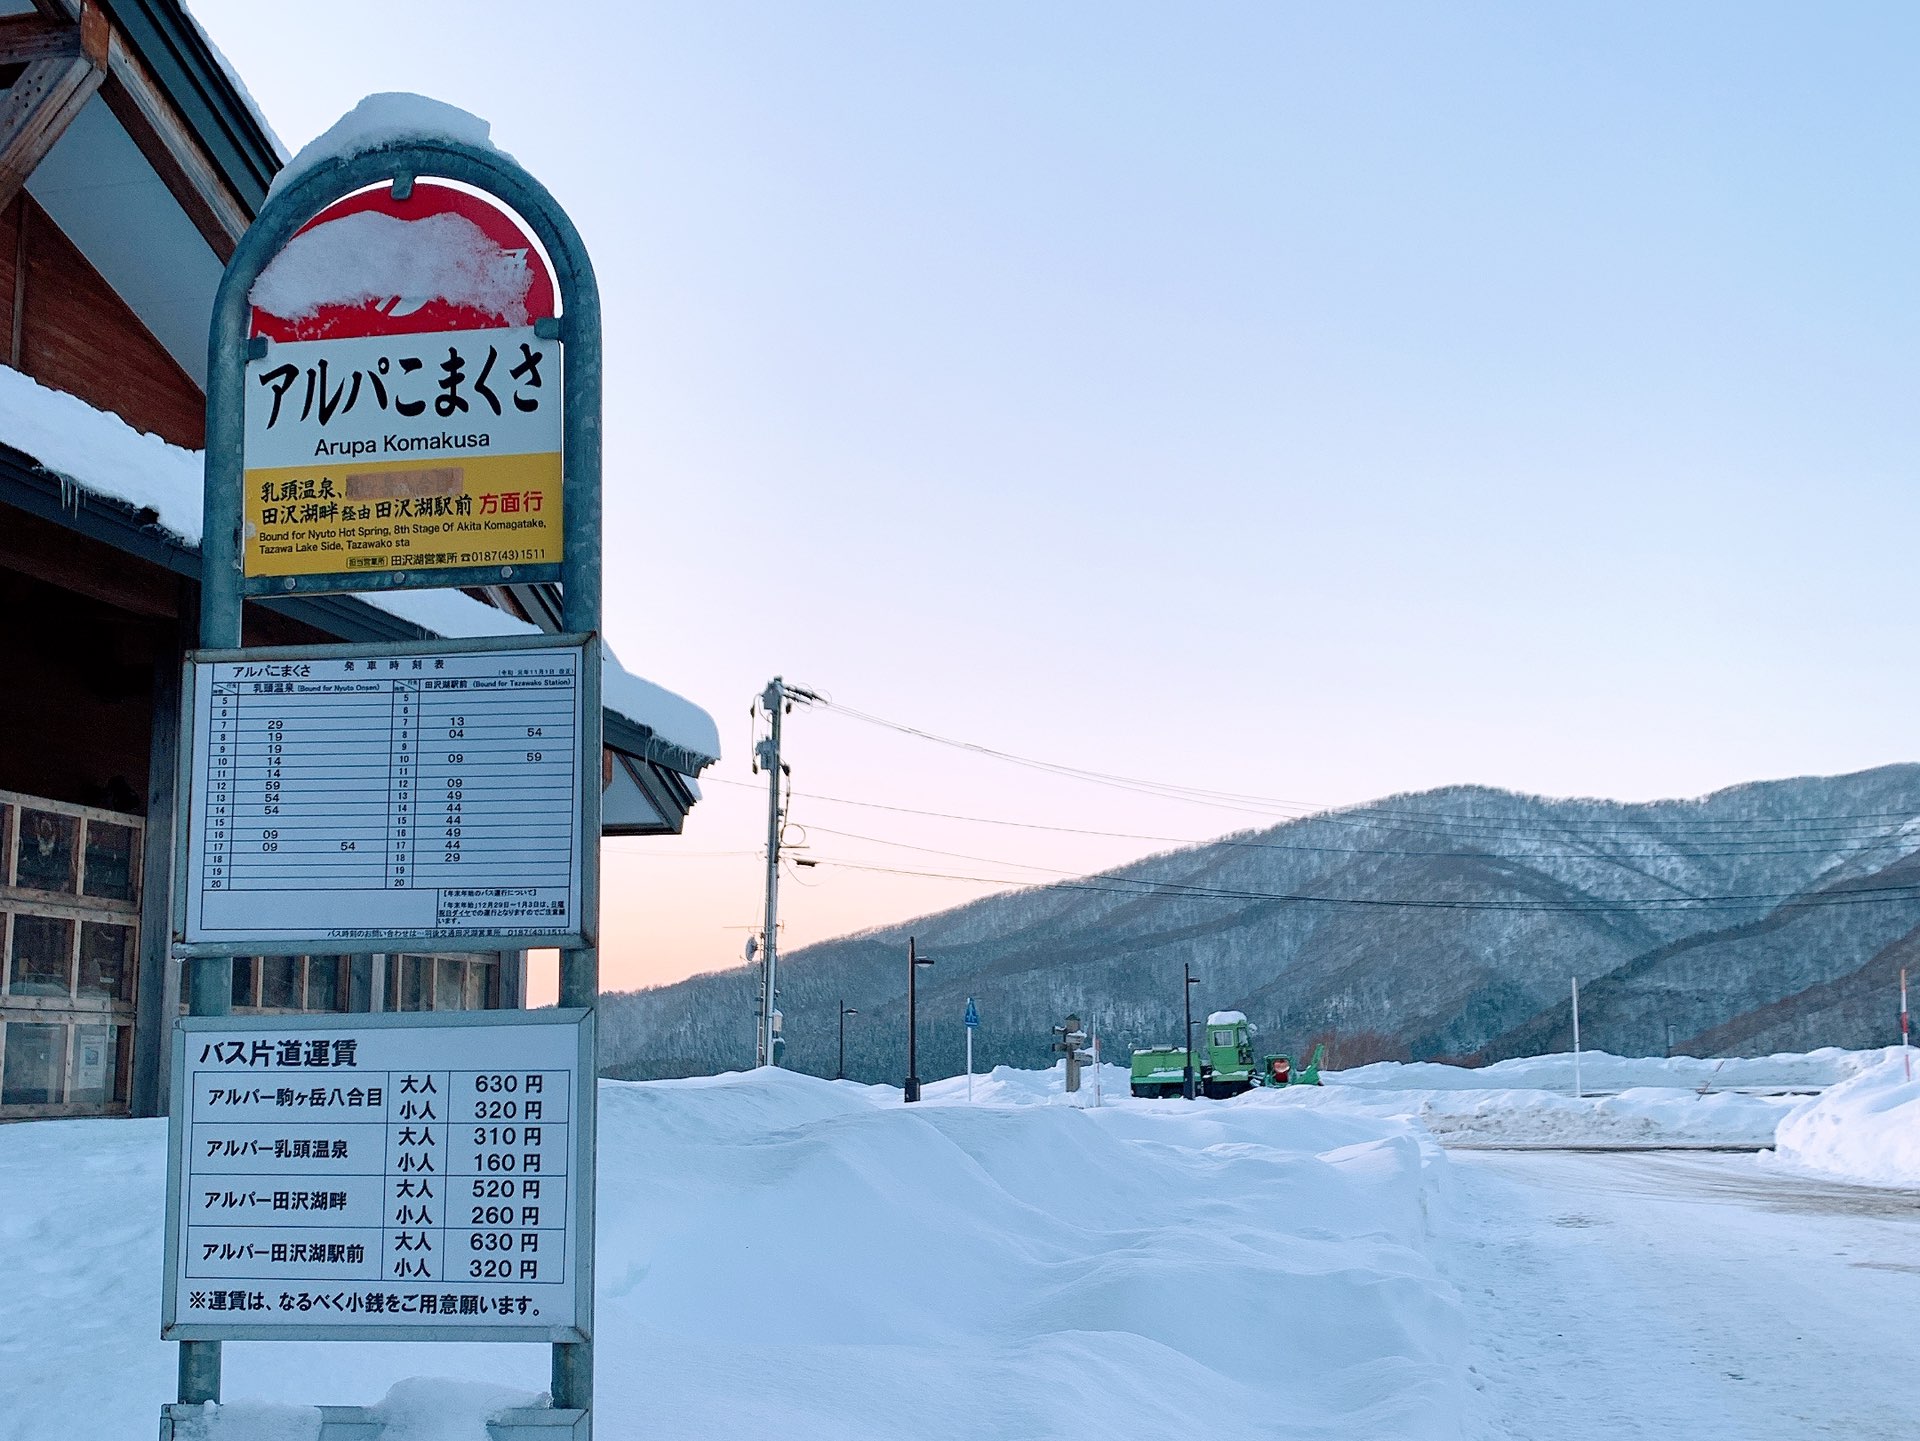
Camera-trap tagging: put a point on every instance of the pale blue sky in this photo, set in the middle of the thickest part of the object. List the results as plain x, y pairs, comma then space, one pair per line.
1308, 400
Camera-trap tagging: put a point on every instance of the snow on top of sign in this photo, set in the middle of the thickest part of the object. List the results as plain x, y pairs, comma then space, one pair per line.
370, 256
100, 452
389, 118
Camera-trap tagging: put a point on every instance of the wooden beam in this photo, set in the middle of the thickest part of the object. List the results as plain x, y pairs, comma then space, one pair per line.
27, 38
144, 110
164, 138
36, 112
41, 104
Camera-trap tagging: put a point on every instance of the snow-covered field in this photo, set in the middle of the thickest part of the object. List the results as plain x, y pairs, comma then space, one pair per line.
815, 1260
812, 1259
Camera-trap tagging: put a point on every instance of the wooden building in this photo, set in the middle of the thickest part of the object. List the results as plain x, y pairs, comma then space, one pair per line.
130, 164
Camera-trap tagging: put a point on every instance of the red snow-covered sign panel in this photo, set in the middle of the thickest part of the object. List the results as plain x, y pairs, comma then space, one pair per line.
441, 259
406, 416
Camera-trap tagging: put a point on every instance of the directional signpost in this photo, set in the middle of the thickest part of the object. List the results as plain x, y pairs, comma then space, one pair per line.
972, 1023
400, 395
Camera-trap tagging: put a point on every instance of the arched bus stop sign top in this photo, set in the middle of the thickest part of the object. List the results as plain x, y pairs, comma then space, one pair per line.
430, 488
577, 328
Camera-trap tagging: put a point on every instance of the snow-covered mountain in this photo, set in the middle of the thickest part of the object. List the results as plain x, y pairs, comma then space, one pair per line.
1764, 917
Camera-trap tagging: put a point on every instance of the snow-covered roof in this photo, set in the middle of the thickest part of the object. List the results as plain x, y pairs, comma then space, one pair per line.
1227, 1018
389, 118
232, 77
99, 452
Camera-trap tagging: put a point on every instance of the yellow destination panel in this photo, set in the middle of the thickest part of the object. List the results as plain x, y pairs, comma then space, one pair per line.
343, 517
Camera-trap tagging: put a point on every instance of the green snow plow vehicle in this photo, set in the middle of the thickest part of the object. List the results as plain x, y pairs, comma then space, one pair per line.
1223, 1065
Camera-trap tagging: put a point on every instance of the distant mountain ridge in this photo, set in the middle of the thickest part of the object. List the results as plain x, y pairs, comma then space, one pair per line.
1443, 924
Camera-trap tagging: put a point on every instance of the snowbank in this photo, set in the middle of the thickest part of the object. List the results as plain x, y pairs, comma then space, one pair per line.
1866, 1129
1643, 1116
1008, 1086
1600, 1071
779, 1254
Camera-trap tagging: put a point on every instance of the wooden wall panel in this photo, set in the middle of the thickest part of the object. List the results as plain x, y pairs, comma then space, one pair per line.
75, 334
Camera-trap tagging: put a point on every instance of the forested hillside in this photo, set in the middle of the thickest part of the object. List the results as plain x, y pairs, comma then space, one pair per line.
1442, 924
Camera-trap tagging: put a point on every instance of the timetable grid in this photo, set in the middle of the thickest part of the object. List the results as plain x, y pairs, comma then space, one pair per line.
417, 794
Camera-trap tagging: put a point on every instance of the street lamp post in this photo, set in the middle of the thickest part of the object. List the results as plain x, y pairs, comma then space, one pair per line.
914, 962
1186, 995
840, 1072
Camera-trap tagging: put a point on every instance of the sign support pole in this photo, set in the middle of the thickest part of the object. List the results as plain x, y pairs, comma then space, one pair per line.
1578, 1091
223, 585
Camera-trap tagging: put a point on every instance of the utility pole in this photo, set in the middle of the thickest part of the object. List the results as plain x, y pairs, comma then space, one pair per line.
914, 962
1186, 997
776, 700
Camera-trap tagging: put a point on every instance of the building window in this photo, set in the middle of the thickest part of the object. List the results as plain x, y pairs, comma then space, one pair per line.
106, 961
45, 860
280, 988
110, 859
40, 961
441, 983
94, 1066
326, 984
69, 955
30, 1068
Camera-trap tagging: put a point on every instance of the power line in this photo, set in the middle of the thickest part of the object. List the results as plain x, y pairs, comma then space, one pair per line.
1180, 890
1300, 810
1232, 839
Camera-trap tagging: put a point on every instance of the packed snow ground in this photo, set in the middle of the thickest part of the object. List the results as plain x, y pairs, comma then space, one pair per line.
814, 1259
1674, 1297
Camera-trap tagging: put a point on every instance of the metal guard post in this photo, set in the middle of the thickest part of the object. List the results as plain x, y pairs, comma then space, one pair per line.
222, 585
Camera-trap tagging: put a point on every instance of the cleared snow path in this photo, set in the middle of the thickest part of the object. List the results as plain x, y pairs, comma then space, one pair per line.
1715, 1298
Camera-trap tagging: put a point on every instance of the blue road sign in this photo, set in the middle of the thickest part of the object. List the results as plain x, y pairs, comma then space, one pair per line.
973, 1016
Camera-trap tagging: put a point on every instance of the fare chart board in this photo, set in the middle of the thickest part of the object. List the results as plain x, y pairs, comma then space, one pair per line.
343, 798
377, 1175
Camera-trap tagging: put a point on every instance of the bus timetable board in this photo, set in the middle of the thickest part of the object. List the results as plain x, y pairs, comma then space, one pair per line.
344, 798
399, 1176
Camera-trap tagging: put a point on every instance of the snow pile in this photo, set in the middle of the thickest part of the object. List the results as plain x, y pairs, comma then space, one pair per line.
807, 1258
1643, 1116
1007, 1086
389, 118
1866, 1129
1227, 1018
1600, 1071
403, 264
412, 1410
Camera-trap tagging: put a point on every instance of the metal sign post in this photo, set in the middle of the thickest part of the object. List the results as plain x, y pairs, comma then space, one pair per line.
392, 446
972, 1023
